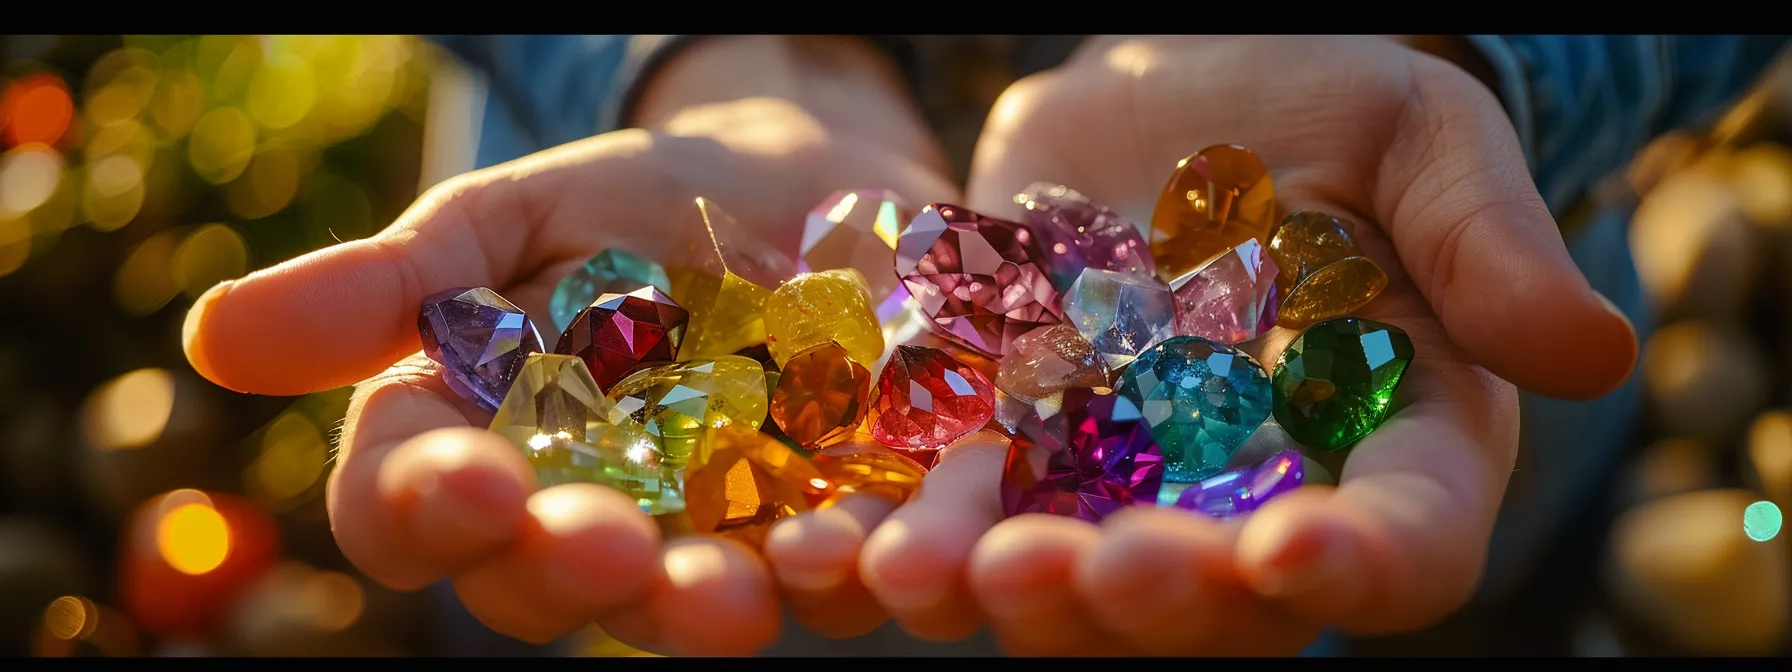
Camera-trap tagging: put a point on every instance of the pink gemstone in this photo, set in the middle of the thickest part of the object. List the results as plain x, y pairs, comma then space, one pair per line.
1231, 299
926, 400
1080, 234
857, 229
1241, 491
982, 281
1081, 453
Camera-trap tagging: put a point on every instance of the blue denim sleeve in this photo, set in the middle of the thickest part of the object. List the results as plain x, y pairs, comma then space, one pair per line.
1585, 104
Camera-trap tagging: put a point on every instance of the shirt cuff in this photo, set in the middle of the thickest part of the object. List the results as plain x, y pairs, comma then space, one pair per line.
1515, 91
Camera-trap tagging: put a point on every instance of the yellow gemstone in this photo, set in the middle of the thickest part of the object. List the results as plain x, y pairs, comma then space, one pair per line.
721, 274
1216, 199
555, 413
814, 308
1322, 271
678, 405
746, 482
865, 466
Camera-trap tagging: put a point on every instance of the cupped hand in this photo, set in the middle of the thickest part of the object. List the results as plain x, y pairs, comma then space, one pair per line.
1423, 158
421, 492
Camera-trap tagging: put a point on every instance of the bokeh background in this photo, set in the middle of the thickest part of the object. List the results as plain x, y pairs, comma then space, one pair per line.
144, 511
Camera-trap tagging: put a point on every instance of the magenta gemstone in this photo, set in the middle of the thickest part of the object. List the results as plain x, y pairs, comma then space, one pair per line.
1231, 299
1079, 234
1241, 491
1081, 453
981, 281
479, 338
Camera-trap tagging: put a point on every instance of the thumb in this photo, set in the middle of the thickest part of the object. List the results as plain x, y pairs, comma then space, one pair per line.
1457, 200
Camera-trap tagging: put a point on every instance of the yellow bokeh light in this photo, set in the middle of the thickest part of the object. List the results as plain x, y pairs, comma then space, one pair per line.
336, 599
178, 102
15, 243
70, 617
193, 538
118, 65
355, 77
221, 145
127, 137
292, 460
211, 254
282, 92
339, 206
130, 411
29, 176
123, 99
228, 61
114, 193
268, 186
145, 281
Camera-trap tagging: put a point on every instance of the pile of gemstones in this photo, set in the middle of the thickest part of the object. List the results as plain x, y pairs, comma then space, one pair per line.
734, 385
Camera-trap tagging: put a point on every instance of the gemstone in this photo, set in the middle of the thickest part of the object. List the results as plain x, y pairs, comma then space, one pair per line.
1083, 453
1335, 383
864, 467
1216, 199
981, 280
1202, 400
821, 396
1121, 315
1047, 360
926, 400
907, 325
816, 308
612, 271
723, 276
1230, 300
479, 338
858, 229
746, 482
621, 332
1079, 234
1009, 412
558, 416
678, 405
1236, 492
1323, 271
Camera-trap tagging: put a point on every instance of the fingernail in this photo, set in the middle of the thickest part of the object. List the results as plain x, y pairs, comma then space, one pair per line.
190, 329
809, 579
1307, 561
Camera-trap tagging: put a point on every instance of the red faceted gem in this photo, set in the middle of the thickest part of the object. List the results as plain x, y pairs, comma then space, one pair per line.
1082, 453
620, 332
982, 281
926, 400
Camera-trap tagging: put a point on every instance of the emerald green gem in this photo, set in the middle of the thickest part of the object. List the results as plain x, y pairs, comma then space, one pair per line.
1335, 383
610, 271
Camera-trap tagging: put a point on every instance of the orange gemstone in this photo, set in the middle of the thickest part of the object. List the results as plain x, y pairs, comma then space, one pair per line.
1216, 199
863, 466
821, 395
748, 481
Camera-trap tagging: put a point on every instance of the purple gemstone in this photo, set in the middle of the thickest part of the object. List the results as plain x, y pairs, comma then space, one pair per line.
1079, 234
1081, 453
480, 340
1241, 491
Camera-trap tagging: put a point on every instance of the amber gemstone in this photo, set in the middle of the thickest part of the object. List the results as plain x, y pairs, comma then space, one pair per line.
862, 466
1324, 272
821, 396
748, 481
1216, 199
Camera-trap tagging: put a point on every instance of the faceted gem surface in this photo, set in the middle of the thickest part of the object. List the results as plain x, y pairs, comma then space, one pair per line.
746, 482
620, 332
926, 400
822, 396
610, 272
1322, 270
479, 338
857, 229
1081, 453
983, 281
723, 275
1202, 400
560, 419
816, 308
1079, 234
679, 404
1236, 492
1121, 315
1335, 383
903, 328
868, 468
1230, 300
1050, 359
1216, 199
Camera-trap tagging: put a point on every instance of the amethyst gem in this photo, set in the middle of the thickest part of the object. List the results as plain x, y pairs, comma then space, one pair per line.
1243, 490
479, 338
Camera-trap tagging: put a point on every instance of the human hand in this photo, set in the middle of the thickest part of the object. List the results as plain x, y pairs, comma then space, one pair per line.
765, 126
1424, 159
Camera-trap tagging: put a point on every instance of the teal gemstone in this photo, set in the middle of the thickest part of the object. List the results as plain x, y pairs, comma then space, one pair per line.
610, 271
1335, 383
1201, 399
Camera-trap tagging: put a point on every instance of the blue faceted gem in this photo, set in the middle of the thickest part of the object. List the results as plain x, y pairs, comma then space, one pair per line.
1201, 399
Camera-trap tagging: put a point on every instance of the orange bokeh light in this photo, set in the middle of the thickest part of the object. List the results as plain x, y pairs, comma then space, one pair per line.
36, 108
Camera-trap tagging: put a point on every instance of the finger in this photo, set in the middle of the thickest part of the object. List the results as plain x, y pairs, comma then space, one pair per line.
1021, 574
417, 493
1456, 197
1401, 542
915, 561
815, 557
717, 599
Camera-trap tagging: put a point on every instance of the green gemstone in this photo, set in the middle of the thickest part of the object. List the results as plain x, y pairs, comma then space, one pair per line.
609, 271
1335, 383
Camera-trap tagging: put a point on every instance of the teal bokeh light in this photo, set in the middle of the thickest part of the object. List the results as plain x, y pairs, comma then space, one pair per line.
1761, 521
